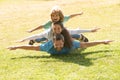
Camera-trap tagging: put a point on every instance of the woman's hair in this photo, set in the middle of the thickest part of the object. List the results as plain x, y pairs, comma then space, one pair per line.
65, 33
58, 37
57, 10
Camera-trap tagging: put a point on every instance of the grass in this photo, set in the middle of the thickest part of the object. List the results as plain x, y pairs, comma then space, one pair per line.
96, 63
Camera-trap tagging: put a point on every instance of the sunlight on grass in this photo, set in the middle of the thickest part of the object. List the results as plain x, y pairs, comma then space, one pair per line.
101, 62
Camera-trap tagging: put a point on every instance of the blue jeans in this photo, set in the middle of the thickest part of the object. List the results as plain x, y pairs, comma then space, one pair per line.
38, 40
76, 36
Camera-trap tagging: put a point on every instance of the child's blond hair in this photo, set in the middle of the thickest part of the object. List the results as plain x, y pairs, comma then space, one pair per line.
57, 10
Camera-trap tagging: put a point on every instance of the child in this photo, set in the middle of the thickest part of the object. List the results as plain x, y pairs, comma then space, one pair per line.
56, 15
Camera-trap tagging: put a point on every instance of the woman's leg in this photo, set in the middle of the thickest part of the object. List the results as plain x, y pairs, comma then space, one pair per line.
26, 47
80, 37
38, 40
90, 44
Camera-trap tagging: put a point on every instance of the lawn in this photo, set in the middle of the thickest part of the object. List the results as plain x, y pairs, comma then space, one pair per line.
101, 62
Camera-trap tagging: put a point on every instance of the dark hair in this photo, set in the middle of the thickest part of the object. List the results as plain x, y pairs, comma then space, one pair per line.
58, 37
65, 33
59, 23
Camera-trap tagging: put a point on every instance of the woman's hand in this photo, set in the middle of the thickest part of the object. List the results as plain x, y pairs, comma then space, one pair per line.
95, 29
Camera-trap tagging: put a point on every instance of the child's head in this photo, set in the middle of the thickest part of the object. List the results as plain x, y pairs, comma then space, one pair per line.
56, 14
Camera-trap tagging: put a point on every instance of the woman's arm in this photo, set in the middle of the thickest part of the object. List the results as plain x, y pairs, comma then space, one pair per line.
78, 31
33, 37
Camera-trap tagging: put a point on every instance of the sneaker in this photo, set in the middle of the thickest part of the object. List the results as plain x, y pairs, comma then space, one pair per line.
31, 42
83, 38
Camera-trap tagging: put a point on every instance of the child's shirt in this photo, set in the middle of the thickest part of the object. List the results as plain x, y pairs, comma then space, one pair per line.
49, 23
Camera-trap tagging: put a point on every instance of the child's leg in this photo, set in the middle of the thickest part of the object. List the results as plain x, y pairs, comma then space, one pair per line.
90, 44
80, 37
26, 47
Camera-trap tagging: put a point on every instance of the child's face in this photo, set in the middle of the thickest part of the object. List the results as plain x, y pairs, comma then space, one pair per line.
58, 44
55, 17
56, 29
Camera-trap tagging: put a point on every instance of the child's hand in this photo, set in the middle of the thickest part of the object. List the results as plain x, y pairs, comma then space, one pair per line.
95, 29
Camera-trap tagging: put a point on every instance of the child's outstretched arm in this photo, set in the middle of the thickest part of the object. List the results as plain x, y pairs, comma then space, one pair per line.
73, 15
34, 29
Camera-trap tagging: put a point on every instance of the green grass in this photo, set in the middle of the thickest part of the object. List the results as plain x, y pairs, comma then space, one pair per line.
101, 62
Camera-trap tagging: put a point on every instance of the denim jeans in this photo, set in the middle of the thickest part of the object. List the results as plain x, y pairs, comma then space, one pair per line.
38, 40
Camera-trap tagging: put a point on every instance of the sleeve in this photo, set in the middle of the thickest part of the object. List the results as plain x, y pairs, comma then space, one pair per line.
46, 46
66, 18
77, 31
76, 44
47, 25
41, 35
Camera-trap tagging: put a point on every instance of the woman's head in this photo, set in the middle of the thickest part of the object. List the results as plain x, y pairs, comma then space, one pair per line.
56, 14
57, 27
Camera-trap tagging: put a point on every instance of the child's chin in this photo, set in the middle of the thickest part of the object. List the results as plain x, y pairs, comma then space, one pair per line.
55, 21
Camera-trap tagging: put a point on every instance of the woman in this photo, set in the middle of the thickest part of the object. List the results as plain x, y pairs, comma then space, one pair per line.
57, 27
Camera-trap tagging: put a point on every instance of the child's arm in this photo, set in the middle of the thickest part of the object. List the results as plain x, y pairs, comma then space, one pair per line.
47, 25
34, 29
73, 15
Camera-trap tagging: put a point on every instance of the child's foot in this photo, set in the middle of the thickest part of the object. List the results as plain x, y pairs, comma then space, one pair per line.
31, 42
83, 38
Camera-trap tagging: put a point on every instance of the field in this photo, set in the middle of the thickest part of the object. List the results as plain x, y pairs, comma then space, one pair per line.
101, 62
